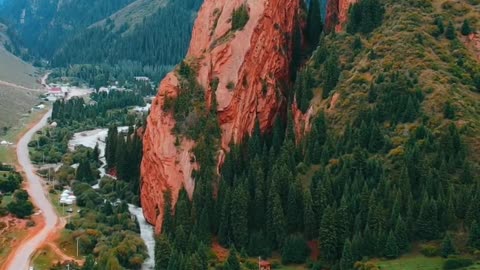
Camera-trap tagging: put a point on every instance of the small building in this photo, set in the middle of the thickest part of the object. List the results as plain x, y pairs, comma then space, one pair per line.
103, 90
58, 92
264, 265
142, 79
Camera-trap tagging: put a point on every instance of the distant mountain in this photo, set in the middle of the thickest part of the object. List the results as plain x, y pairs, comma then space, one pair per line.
43, 25
152, 35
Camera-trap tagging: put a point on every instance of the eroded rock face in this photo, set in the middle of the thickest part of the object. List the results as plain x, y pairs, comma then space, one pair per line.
337, 14
252, 68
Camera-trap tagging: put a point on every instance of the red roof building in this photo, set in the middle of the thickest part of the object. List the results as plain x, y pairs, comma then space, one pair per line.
264, 265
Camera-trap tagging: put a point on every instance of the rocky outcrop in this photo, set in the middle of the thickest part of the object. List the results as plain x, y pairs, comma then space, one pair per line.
248, 69
472, 42
337, 14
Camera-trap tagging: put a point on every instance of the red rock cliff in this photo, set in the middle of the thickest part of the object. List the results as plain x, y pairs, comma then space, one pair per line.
252, 66
337, 14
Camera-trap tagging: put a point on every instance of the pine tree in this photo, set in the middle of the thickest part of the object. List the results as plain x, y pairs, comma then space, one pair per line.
278, 222
309, 217
450, 32
466, 28
239, 216
168, 222
84, 172
314, 23
474, 235
327, 235
111, 146
347, 260
447, 246
232, 262
391, 247
163, 251
332, 74
175, 261
440, 27
292, 210
401, 234
449, 111
427, 222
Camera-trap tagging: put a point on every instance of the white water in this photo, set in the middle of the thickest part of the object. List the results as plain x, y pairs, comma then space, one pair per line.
146, 232
90, 139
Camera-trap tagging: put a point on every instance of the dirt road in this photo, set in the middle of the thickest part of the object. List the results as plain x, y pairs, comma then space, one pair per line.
21, 258
20, 87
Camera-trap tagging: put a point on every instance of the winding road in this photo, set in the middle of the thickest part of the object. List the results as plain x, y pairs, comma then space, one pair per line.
22, 255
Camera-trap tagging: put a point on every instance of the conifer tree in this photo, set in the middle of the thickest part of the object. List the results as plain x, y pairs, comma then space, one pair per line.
314, 23
347, 260
327, 235
474, 235
239, 216
163, 251
448, 111
447, 246
466, 28
232, 262
391, 247
440, 26
168, 222
292, 210
401, 234
309, 216
111, 146
332, 73
450, 32
278, 219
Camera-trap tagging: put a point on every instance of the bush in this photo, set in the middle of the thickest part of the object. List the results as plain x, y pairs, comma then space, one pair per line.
429, 250
240, 17
456, 263
20, 209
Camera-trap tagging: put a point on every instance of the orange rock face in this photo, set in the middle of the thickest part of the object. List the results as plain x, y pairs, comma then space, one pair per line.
337, 14
252, 67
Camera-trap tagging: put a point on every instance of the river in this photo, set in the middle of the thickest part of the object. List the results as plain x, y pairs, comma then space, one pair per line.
90, 139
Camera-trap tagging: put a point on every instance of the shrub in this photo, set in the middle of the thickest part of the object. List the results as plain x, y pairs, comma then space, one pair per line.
240, 17
456, 263
230, 85
429, 250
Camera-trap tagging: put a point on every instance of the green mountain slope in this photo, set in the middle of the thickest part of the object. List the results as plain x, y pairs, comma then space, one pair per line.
44, 25
143, 38
389, 160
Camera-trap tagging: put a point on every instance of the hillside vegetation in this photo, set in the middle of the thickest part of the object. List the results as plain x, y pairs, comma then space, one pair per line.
143, 38
389, 160
43, 26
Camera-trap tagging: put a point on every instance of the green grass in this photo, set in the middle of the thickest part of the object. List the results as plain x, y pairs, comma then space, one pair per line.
7, 153
62, 210
6, 200
44, 258
417, 262
7, 240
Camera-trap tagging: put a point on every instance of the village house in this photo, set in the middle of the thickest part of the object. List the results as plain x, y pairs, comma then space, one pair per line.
264, 265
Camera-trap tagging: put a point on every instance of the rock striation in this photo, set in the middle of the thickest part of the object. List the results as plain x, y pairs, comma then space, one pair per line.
337, 14
248, 69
